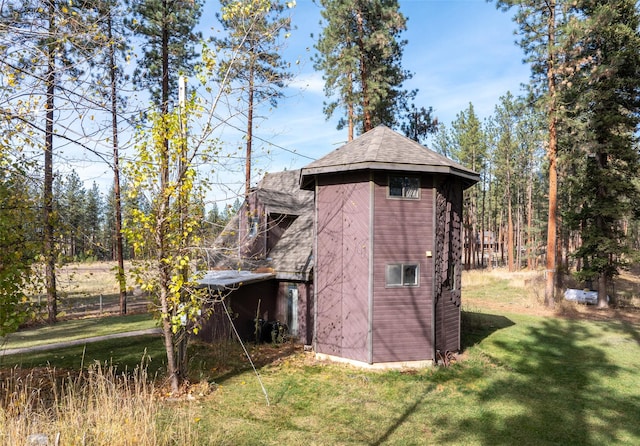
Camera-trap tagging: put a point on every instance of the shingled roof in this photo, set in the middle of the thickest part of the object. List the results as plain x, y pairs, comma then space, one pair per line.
291, 258
384, 149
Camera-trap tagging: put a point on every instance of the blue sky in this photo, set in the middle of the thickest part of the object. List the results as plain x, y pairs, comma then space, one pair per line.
460, 51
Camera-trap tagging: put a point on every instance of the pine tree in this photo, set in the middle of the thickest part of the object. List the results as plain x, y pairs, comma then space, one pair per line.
252, 59
167, 29
606, 93
540, 25
360, 54
418, 124
110, 67
467, 145
50, 42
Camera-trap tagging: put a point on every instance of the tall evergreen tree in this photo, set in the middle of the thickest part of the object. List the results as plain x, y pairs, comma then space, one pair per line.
252, 58
540, 24
418, 124
167, 30
111, 67
48, 42
606, 93
467, 145
360, 54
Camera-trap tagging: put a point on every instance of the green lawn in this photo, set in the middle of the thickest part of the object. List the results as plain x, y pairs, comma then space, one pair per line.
522, 380
525, 381
78, 329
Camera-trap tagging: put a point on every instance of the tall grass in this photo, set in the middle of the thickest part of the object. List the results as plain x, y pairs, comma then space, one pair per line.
97, 407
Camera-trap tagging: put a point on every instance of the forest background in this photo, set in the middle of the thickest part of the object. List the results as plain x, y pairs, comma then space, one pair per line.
558, 158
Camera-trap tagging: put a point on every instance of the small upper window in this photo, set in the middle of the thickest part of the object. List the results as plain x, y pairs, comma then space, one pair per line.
254, 222
404, 187
402, 274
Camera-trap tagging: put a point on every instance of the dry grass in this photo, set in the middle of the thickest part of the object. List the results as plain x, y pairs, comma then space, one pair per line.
92, 288
97, 407
523, 292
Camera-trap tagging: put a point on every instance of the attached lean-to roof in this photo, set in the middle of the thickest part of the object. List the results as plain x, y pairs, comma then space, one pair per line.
231, 279
384, 149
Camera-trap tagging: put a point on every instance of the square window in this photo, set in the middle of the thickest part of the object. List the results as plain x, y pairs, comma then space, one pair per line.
401, 274
404, 187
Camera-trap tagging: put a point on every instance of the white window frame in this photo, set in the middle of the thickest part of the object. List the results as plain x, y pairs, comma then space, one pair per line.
403, 274
406, 189
254, 227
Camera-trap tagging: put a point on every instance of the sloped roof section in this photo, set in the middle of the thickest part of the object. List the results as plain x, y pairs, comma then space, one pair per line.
291, 258
384, 149
281, 194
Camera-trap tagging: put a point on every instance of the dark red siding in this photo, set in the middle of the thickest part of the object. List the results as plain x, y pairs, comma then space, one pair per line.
243, 307
403, 316
342, 268
447, 323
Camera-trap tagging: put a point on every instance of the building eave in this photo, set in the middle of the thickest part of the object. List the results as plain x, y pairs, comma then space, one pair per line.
308, 174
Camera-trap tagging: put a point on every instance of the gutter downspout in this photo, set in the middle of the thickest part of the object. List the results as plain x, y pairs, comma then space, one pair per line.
371, 257
434, 257
315, 266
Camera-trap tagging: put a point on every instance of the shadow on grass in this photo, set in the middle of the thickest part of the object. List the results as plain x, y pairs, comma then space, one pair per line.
475, 327
403, 418
220, 362
559, 388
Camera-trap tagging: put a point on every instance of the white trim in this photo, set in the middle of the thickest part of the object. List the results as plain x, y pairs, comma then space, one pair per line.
420, 364
372, 200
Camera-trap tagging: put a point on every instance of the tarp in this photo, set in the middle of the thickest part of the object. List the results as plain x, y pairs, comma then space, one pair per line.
582, 296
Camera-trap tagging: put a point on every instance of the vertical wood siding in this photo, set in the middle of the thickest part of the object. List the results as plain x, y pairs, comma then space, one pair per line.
403, 316
342, 267
448, 264
447, 323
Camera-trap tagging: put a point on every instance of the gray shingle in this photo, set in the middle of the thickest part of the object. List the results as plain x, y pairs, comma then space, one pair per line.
384, 149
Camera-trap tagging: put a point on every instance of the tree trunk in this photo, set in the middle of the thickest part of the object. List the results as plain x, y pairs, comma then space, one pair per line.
350, 113
247, 184
530, 265
510, 243
49, 243
364, 75
552, 150
164, 269
172, 368
119, 245
482, 229
603, 283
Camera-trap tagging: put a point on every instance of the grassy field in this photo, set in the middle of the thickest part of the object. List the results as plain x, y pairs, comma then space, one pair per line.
526, 376
78, 329
92, 289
